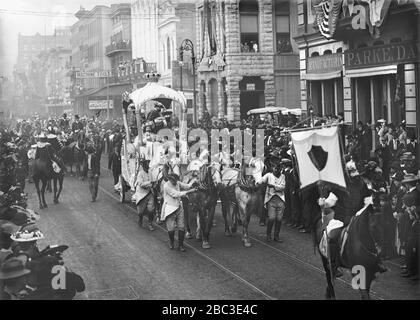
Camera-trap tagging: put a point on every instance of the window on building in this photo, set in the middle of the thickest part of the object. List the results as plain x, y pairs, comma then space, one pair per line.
249, 25
282, 11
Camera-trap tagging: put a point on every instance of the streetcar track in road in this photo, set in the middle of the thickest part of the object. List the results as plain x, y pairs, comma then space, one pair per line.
276, 250
217, 264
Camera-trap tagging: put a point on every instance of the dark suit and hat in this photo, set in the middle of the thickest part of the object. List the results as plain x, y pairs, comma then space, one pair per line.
93, 166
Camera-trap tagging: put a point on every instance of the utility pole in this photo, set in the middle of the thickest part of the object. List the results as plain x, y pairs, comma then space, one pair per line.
107, 96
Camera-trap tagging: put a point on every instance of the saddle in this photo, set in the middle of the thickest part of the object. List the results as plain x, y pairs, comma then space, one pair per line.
332, 230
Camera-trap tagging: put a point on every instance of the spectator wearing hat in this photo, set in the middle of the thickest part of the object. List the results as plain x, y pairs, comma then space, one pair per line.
363, 137
13, 272
76, 124
172, 210
114, 163
411, 200
93, 171
383, 152
413, 245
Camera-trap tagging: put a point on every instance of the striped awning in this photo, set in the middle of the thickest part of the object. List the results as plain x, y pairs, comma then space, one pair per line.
369, 72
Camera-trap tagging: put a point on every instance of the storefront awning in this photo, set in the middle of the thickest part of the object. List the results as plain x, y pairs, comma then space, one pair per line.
374, 71
322, 76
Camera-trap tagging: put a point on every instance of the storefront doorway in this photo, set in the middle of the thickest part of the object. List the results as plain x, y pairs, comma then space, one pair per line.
375, 98
252, 94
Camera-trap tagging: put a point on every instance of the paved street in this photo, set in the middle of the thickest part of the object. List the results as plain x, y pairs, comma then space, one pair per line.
118, 260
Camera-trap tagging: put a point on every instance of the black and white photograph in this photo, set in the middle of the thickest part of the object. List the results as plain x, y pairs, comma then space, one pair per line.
209, 155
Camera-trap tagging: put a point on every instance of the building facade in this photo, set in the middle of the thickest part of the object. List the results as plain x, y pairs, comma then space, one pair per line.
58, 81
247, 56
158, 30
31, 68
366, 70
29, 47
119, 49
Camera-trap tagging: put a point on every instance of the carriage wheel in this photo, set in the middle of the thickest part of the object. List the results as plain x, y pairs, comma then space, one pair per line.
122, 189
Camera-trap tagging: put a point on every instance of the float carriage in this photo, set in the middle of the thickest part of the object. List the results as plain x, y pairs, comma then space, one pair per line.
134, 148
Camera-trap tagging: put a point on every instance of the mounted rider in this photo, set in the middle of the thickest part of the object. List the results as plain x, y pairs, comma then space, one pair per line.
51, 147
64, 123
337, 213
77, 124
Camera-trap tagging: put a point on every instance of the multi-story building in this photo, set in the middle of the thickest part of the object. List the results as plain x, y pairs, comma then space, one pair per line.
158, 29
30, 69
119, 50
363, 66
29, 47
90, 36
247, 56
58, 81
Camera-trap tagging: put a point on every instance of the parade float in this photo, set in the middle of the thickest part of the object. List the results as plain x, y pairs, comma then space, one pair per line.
134, 147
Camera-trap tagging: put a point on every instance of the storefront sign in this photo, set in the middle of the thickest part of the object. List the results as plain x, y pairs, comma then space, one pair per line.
92, 74
324, 64
395, 53
250, 86
100, 104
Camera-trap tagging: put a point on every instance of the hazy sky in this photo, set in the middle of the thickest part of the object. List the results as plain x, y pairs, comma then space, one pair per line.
31, 16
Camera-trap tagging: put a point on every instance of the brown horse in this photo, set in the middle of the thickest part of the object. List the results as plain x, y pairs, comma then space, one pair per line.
204, 202
43, 172
239, 189
359, 253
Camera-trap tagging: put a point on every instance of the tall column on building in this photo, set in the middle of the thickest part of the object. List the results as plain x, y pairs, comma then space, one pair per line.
303, 83
233, 97
232, 47
270, 91
221, 99
267, 48
200, 101
410, 94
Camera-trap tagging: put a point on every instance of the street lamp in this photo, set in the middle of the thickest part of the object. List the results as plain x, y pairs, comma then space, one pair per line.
187, 45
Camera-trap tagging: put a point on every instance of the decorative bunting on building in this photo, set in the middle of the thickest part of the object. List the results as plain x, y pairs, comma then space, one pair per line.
327, 14
349, 5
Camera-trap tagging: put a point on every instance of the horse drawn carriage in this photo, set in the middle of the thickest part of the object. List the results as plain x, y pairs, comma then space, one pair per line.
134, 148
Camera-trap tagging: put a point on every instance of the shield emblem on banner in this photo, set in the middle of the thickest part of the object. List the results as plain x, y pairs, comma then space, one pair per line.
318, 157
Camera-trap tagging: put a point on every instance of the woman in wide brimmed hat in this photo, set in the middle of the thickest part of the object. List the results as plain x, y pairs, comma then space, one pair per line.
410, 178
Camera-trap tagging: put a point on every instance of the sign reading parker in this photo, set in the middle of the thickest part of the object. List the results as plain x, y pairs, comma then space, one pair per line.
395, 53
318, 156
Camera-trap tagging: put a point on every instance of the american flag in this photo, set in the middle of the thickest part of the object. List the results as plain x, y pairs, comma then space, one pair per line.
327, 13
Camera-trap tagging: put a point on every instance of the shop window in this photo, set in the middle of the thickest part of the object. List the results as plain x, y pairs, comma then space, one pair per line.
249, 25
327, 52
282, 11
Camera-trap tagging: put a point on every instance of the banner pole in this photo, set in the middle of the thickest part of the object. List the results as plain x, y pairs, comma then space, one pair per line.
311, 128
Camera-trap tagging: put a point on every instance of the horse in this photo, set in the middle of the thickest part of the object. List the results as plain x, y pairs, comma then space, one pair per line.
363, 235
241, 191
43, 171
203, 201
67, 153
